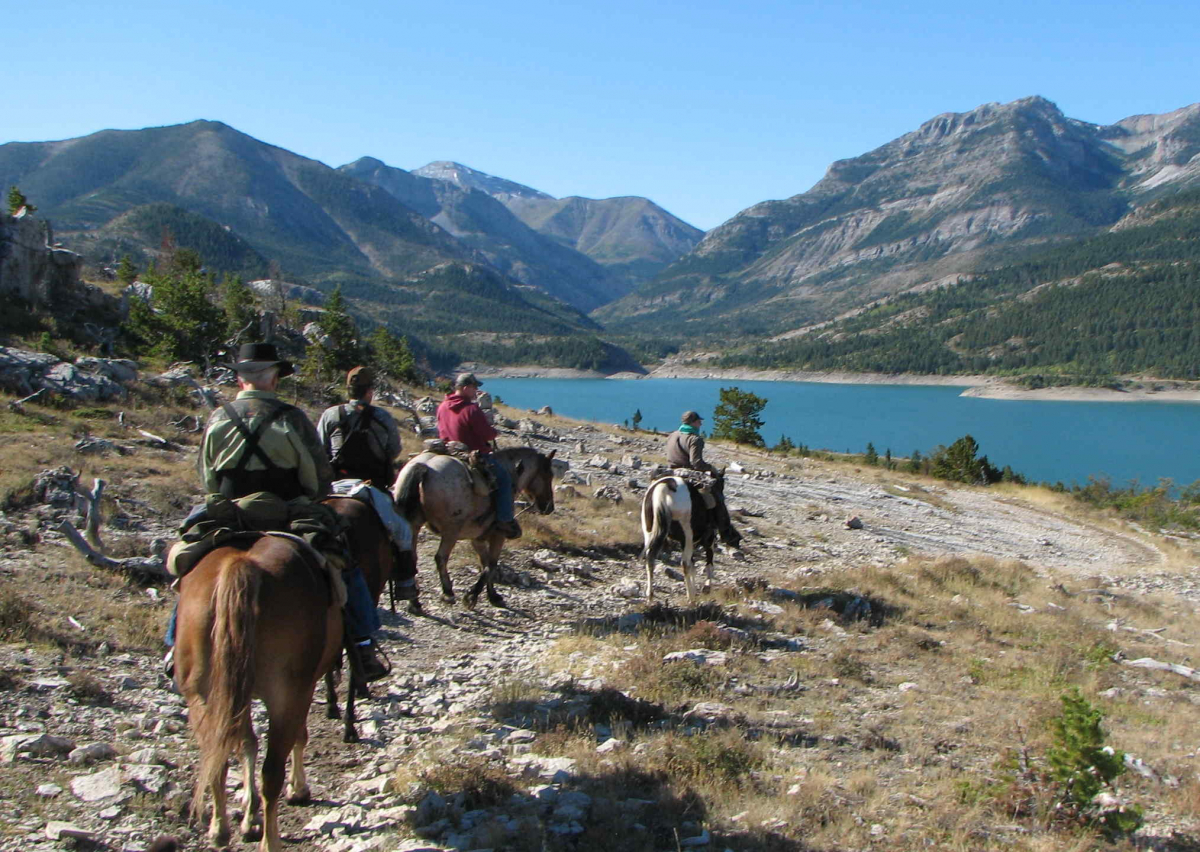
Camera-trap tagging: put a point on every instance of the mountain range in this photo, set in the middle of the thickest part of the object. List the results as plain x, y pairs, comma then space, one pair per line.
962, 193
499, 270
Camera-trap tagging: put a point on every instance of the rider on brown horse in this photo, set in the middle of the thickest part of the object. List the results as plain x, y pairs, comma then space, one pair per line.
460, 419
260, 445
362, 443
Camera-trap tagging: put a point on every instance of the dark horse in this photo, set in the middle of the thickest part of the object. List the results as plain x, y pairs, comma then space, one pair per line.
371, 548
438, 490
674, 507
254, 621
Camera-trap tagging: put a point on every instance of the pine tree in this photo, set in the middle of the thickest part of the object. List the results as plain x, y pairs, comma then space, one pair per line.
736, 417
637, 419
17, 200
392, 357
127, 273
339, 334
241, 311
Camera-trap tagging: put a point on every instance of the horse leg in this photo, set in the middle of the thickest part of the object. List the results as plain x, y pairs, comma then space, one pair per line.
287, 715
331, 699
487, 563
688, 555
298, 792
653, 547
218, 827
442, 560
708, 566
353, 684
249, 790
495, 545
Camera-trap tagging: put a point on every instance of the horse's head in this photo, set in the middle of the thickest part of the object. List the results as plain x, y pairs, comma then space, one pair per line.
534, 475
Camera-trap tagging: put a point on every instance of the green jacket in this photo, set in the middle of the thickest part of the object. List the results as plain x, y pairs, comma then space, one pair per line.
290, 443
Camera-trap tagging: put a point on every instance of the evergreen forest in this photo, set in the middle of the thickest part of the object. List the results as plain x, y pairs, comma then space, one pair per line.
1127, 301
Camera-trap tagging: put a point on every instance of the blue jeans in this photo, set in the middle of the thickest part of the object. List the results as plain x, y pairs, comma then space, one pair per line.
504, 489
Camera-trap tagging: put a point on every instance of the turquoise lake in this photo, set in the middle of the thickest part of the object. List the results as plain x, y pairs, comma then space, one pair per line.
1045, 441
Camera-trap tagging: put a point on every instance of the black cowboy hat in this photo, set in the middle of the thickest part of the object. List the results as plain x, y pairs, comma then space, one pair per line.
259, 356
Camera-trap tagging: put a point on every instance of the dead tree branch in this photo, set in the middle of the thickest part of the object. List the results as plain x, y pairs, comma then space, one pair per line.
1175, 668
146, 569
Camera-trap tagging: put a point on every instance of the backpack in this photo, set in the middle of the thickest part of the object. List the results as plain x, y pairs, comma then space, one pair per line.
355, 459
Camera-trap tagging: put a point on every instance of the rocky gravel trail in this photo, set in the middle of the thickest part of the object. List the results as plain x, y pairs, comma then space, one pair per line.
118, 772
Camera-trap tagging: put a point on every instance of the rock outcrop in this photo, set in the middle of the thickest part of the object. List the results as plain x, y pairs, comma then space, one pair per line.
37, 273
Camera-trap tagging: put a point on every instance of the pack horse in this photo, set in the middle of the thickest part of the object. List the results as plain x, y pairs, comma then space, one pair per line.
675, 508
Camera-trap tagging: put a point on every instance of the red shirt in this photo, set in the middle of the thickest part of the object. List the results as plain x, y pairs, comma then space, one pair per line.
460, 419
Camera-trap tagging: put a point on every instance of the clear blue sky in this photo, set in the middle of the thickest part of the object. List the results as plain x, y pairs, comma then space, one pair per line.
704, 107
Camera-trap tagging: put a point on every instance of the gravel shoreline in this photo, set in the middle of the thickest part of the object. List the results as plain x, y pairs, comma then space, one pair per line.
1137, 389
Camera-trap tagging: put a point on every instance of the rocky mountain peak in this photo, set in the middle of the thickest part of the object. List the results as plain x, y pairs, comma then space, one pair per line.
469, 178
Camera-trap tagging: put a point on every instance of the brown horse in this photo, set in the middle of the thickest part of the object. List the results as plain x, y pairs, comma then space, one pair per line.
254, 621
437, 490
371, 548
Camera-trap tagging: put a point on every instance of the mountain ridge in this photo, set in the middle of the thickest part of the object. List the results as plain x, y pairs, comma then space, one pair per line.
958, 193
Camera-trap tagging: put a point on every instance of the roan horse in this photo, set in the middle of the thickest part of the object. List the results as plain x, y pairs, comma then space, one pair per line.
254, 621
371, 548
437, 490
673, 507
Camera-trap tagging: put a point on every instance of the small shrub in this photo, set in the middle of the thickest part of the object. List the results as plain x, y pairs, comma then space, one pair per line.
14, 616
1083, 767
87, 689
482, 784
721, 758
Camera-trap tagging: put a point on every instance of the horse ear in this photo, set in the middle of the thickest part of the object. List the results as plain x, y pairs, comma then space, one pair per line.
550, 454
519, 468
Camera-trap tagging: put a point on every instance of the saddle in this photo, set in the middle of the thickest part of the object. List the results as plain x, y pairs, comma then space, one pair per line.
483, 481
701, 480
185, 555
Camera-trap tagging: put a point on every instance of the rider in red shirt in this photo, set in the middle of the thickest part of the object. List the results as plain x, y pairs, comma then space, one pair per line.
459, 418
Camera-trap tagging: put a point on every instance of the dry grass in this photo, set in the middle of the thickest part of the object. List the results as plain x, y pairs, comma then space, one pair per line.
585, 524
913, 724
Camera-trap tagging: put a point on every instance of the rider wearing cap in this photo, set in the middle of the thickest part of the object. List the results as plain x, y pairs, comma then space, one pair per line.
258, 443
460, 419
362, 442
685, 446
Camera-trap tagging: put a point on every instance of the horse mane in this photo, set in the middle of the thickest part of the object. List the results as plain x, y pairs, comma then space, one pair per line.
222, 720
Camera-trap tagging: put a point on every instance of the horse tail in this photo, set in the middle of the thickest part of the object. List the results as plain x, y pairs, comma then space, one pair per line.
406, 494
225, 713
656, 514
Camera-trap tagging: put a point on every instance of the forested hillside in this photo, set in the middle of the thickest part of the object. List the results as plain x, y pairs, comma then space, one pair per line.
1127, 301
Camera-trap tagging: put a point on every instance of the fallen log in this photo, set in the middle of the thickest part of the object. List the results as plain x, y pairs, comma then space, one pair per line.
1174, 668
142, 568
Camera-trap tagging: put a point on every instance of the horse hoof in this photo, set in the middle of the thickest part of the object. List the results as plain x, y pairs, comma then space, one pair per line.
470, 600
351, 736
255, 833
496, 600
301, 798
332, 712
449, 598
219, 839
415, 608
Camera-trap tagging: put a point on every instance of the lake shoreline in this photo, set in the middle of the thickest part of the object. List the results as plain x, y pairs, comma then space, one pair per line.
1136, 388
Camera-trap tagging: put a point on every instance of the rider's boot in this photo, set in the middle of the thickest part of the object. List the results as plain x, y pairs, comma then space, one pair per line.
373, 668
510, 529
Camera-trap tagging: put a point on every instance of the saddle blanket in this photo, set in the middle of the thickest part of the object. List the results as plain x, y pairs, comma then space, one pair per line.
381, 502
